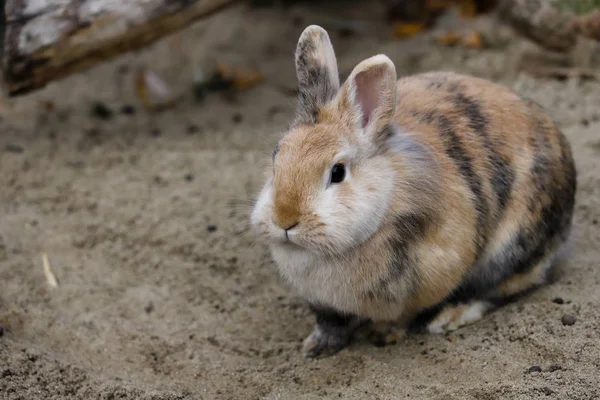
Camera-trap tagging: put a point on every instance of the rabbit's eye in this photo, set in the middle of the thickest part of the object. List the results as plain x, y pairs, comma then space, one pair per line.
338, 173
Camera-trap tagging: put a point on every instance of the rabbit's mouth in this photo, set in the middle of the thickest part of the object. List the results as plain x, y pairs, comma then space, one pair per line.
289, 245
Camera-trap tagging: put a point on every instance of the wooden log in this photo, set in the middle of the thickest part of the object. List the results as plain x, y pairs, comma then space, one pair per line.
46, 40
553, 24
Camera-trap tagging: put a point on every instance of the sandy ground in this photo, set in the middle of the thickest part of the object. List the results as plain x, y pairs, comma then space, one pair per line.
164, 294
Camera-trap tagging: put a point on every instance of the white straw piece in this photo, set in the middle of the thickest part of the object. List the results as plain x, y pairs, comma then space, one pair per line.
50, 278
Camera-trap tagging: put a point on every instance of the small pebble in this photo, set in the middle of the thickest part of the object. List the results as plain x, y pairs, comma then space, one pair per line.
193, 129
554, 367
547, 391
237, 118
149, 308
558, 300
211, 228
535, 368
93, 133
156, 133
128, 110
100, 110
188, 177
568, 319
76, 164
14, 148
595, 221
1, 331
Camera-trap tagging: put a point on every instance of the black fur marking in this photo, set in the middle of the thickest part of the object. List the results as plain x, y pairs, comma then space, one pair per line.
409, 229
502, 175
523, 253
419, 322
436, 82
387, 132
554, 197
275, 150
314, 83
336, 330
315, 91
542, 164
456, 151
328, 316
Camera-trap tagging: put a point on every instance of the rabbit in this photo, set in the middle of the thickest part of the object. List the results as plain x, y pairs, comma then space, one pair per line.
422, 202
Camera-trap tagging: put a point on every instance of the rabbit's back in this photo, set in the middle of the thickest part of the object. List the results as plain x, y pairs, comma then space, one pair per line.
512, 163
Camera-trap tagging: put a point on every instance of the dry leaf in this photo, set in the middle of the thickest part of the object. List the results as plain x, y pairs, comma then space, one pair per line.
473, 40
240, 78
448, 39
152, 91
403, 30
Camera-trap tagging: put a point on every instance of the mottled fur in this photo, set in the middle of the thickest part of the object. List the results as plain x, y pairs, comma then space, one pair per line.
458, 194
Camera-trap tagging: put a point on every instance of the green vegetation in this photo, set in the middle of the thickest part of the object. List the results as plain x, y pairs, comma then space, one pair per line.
578, 7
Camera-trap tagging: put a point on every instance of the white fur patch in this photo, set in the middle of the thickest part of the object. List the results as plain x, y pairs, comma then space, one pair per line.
450, 318
321, 263
351, 221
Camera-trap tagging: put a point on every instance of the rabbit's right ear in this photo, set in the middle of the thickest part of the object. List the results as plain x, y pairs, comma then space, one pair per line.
317, 71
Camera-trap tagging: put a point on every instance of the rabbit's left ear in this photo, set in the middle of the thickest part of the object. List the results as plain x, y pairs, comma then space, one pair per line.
317, 71
369, 95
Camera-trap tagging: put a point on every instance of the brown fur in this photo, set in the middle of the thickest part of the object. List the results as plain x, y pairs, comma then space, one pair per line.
482, 197
513, 128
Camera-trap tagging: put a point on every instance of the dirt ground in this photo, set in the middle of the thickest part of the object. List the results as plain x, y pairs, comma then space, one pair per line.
165, 294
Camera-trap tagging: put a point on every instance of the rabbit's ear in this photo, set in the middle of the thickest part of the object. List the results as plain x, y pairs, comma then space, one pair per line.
369, 95
317, 71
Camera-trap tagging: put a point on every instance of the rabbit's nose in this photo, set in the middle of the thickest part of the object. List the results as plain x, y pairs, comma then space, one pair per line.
291, 227
286, 213
286, 226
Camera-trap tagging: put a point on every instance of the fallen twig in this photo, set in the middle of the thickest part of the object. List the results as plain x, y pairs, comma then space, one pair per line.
542, 71
549, 26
